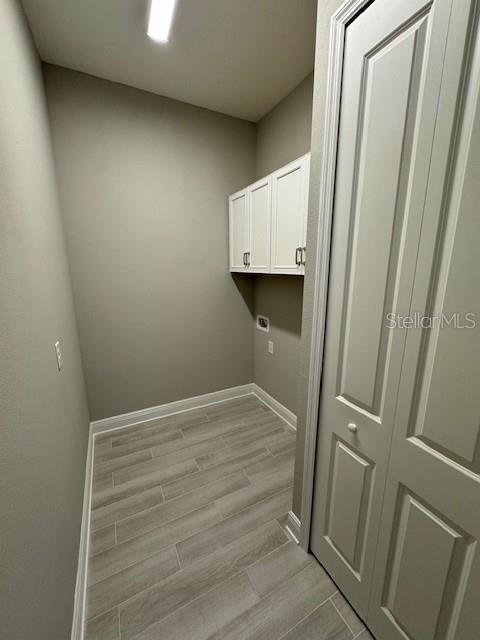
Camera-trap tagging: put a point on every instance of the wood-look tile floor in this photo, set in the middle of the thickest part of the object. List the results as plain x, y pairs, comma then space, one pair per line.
187, 538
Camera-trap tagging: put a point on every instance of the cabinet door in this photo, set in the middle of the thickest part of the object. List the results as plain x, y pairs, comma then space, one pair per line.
239, 230
288, 206
260, 224
390, 87
305, 211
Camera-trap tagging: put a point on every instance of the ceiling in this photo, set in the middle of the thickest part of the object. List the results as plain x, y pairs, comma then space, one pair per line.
239, 57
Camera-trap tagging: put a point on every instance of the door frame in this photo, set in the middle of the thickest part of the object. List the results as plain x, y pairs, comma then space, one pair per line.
347, 12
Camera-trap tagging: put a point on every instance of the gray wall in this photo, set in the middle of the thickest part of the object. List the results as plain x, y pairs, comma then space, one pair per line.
280, 299
282, 136
43, 413
284, 133
144, 182
324, 12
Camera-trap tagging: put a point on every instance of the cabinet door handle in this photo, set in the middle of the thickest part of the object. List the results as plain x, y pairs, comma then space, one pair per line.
248, 258
298, 256
244, 259
304, 255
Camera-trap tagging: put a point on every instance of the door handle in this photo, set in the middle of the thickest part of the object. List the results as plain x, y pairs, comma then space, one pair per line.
352, 427
244, 258
248, 258
298, 256
304, 255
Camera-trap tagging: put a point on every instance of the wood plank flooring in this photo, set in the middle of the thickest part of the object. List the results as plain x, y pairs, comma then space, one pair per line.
187, 541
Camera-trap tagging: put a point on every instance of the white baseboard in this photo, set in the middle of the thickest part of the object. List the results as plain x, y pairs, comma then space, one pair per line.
293, 526
164, 410
196, 402
80, 601
278, 408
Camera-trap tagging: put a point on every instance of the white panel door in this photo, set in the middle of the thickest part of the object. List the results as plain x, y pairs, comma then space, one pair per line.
289, 203
390, 90
427, 575
260, 195
239, 231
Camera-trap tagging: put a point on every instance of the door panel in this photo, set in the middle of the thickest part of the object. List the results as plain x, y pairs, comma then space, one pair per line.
349, 494
378, 215
450, 364
390, 88
260, 222
238, 229
289, 194
436, 444
427, 551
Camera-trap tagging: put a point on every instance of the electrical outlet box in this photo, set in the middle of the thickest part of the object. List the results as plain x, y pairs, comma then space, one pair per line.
263, 323
58, 353
270, 346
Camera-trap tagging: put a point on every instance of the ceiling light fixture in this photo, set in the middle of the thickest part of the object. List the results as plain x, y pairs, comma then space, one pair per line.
160, 19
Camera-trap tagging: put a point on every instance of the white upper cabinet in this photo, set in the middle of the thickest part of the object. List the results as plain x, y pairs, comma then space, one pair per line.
289, 217
260, 225
268, 222
239, 230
